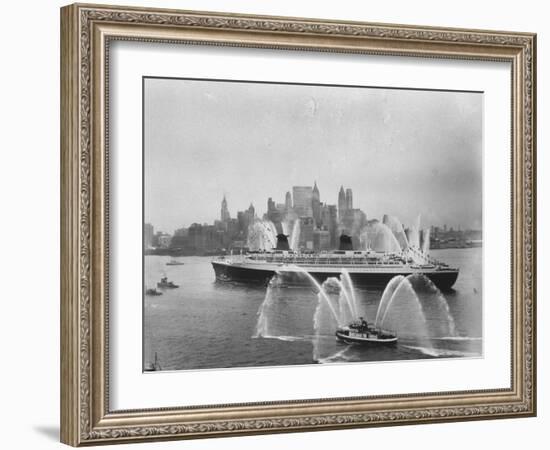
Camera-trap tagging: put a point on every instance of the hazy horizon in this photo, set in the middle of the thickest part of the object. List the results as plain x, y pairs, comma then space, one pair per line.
402, 152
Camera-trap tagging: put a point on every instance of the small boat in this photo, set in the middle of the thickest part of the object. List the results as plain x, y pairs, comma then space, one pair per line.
165, 284
175, 262
152, 291
153, 367
360, 332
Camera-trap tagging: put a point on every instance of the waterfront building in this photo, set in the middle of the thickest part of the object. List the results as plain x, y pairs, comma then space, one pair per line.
180, 239
349, 199
243, 225
303, 196
245, 219
275, 211
162, 240
205, 238
270, 204
306, 233
148, 233
321, 240
329, 219
352, 223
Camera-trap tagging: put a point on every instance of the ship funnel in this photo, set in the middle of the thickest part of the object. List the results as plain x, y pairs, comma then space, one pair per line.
345, 242
282, 242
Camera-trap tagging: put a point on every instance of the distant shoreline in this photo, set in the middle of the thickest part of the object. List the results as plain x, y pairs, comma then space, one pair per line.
181, 252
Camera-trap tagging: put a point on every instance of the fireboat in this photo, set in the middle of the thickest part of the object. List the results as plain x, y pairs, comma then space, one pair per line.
361, 332
365, 267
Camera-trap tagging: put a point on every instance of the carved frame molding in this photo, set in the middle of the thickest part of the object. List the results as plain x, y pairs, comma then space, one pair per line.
86, 31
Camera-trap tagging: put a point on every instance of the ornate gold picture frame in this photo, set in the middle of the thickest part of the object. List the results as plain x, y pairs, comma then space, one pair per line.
87, 31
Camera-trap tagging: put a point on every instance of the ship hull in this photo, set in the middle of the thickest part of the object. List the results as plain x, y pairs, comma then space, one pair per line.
444, 279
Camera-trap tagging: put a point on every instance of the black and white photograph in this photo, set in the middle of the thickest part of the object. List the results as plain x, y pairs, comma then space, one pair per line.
293, 224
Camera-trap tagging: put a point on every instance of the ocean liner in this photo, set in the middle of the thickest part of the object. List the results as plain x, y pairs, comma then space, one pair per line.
365, 267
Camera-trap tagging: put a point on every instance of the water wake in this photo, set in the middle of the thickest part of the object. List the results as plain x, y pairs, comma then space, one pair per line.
457, 338
284, 338
336, 357
439, 352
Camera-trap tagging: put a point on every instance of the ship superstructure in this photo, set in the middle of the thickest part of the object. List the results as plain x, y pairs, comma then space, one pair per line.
365, 267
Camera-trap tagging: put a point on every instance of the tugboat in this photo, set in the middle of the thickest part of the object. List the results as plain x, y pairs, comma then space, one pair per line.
175, 262
152, 292
360, 332
165, 284
365, 267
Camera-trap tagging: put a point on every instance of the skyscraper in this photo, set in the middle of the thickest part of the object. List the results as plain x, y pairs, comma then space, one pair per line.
316, 205
349, 199
329, 217
251, 211
341, 203
306, 232
224, 216
303, 196
270, 205
321, 240
275, 212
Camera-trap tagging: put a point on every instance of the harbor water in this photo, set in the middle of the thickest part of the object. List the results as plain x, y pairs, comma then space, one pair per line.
205, 324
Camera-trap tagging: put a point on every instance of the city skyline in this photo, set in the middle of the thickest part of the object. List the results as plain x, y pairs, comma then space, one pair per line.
260, 213
225, 213
403, 152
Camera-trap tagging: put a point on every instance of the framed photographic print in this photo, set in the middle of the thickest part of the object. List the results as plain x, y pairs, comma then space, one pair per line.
275, 224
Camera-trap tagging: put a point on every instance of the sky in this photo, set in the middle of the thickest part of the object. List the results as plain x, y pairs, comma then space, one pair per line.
402, 152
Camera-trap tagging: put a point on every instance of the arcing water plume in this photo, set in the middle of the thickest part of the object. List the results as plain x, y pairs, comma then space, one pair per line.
336, 305
345, 313
412, 307
440, 322
395, 225
262, 235
346, 308
414, 238
321, 292
415, 307
262, 326
326, 319
403, 315
425, 241
280, 314
347, 288
386, 297
414, 241
295, 236
380, 238
285, 227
